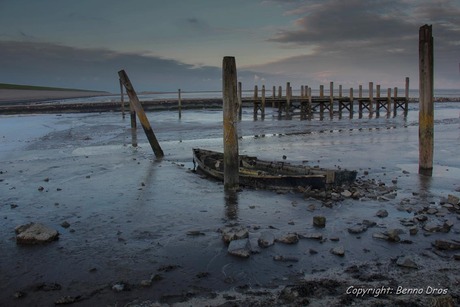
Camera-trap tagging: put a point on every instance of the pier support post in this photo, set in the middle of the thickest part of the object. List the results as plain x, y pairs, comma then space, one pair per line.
426, 113
134, 101
262, 109
256, 103
371, 98
406, 104
240, 101
230, 107
331, 98
179, 102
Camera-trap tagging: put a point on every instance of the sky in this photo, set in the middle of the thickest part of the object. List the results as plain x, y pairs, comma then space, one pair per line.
170, 44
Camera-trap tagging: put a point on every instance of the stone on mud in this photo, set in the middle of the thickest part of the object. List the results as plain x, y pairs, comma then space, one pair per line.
339, 251
234, 233
319, 221
240, 248
446, 245
313, 236
453, 200
266, 239
406, 262
290, 238
382, 213
35, 233
357, 229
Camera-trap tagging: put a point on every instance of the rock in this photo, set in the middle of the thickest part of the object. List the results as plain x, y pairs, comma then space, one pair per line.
285, 258
432, 211
334, 239
421, 218
145, 283
234, 233
313, 236
382, 213
406, 262
65, 300
413, 230
393, 235
195, 233
240, 248
319, 221
290, 238
457, 257
379, 235
266, 239
369, 223
35, 233
119, 287
446, 245
346, 194
339, 251
453, 200
65, 224
357, 229
442, 300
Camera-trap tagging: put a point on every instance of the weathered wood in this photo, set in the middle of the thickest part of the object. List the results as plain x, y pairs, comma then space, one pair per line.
274, 96
230, 107
256, 102
262, 107
340, 90
426, 105
371, 98
280, 92
240, 101
288, 97
179, 102
388, 101
141, 114
331, 97
406, 104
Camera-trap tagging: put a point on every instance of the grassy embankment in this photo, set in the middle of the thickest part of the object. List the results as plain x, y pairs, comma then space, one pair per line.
40, 88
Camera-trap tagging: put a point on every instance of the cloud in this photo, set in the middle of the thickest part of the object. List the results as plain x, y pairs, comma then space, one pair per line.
57, 65
374, 38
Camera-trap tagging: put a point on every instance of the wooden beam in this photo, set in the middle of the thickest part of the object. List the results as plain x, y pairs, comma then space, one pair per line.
141, 114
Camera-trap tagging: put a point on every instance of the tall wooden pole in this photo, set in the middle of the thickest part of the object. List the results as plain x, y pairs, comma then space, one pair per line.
426, 105
263, 102
230, 107
179, 102
240, 101
134, 101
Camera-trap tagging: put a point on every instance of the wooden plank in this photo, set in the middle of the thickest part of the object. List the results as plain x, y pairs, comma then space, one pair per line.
141, 114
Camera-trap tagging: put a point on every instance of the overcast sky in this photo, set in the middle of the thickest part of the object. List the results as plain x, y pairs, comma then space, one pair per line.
170, 44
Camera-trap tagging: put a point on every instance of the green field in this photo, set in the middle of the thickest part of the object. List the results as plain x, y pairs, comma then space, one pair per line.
39, 88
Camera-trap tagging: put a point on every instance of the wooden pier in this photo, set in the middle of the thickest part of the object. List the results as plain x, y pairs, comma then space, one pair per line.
306, 104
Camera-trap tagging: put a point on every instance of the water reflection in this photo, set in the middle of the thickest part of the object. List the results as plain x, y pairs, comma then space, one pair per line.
231, 204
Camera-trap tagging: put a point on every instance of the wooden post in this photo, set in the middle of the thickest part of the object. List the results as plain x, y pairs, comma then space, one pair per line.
274, 96
122, 99
141, 114
263, 102
371, 97
426, 113
321, 91
288, 97
406, 104
240, 101
340, 90
179, 102
388, 101
230, 107
280, 92
331, 97
256, 94
351, 101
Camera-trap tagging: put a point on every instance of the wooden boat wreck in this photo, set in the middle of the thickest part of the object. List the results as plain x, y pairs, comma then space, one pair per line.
271, 175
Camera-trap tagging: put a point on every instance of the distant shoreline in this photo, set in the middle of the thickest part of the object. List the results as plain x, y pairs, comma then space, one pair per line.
12, 96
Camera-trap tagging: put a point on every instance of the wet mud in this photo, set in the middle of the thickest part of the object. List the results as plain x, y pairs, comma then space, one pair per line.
138, 231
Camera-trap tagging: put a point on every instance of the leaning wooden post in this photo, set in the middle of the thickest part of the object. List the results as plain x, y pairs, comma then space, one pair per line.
426, 113
141, 114
230, 107
179, 102
240, 101
122, 99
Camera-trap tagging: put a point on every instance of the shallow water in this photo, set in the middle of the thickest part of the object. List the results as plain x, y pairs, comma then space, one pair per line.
130, 213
